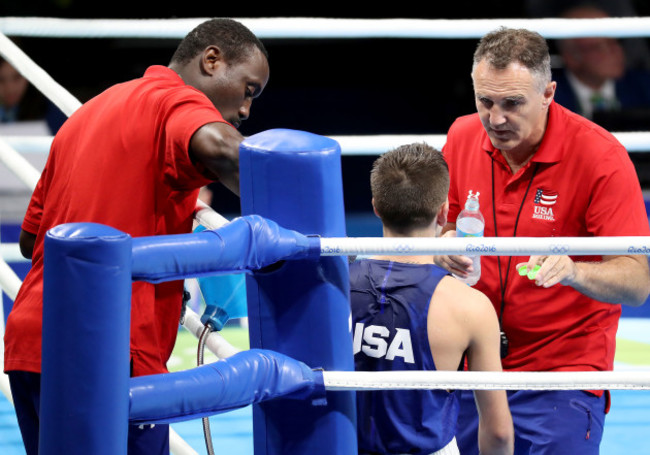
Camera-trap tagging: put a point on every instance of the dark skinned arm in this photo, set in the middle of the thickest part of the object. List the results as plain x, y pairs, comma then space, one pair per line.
214, 149
26, 243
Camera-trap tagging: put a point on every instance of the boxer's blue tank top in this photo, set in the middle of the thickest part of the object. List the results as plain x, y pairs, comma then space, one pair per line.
390, 303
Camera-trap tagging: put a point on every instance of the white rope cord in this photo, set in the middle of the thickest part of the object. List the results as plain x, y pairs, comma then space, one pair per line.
178, 446
486, 380
29, 144
17, 164
203, 214
216, 343
314, 27
482, 246
206, 216
9, 281
28, 174
637, 141
5, 388
10, 252
38, 77
485, 246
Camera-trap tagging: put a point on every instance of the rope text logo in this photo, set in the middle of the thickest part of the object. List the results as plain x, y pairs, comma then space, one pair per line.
642, 250
329, 250
482, 248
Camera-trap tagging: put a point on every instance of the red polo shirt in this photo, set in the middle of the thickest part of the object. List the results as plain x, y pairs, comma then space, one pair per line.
121, 160
585, 186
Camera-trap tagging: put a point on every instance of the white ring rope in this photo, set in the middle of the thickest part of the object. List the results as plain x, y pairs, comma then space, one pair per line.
38, 77
302, 28
9, 281
216, 343
481, 246
487, 380
178, 446
315, 27
203, 213
206, 216
29, 144
10, 252
485, 246
17, 164
635, 141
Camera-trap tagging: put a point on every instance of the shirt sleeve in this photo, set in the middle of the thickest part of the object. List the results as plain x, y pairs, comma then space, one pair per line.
188, 111
616, 205
34, 214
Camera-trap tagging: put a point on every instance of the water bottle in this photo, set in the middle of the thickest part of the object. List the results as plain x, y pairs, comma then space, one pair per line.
470, 223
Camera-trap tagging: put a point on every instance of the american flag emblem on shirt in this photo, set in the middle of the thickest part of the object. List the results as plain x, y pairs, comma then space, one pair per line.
546, 198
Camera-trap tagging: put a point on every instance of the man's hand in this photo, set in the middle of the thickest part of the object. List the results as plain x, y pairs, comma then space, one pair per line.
615, 279
459, 265
552, 270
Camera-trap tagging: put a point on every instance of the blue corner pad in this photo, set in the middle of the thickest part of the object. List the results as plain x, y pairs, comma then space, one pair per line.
247, 377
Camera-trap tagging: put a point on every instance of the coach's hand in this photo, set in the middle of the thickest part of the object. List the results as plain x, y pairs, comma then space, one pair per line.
552, 270
458, 264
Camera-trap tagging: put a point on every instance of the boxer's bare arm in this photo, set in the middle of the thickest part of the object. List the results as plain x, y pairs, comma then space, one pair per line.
460, 320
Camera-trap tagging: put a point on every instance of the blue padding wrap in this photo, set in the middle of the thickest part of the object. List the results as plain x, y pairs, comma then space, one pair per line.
86, 307
294, 178
246, 243
301, 309
245, 378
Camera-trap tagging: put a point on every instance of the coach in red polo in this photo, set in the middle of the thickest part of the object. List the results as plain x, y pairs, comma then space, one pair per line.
543, 171
134, 158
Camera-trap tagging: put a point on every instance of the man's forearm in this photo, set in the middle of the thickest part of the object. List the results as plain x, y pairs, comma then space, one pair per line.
617, 279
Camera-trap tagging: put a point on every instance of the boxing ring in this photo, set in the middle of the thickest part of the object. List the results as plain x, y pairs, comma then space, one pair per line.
293, 332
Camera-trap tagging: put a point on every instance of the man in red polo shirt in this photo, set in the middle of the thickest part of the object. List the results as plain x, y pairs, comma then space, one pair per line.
134, 157
543, 171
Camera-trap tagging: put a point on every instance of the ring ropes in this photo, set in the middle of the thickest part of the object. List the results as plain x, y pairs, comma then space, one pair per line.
352, 28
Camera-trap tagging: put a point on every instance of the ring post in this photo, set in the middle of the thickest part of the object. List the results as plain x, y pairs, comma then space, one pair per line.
300, 308
86, 313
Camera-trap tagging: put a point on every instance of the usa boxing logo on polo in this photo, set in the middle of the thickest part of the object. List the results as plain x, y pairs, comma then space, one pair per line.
544, 202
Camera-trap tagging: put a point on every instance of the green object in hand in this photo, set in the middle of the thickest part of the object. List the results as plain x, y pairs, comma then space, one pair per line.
530, 274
